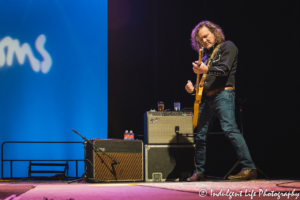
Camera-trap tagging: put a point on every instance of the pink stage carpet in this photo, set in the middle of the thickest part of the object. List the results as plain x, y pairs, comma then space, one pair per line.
245, 188
221, 190
13, 190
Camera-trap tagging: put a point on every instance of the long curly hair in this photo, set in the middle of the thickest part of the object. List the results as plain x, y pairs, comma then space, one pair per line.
213, 28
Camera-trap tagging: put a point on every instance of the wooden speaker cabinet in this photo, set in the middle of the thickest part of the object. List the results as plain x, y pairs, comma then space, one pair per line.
129, 157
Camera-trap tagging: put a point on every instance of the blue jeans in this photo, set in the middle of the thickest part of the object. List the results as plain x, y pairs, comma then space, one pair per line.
221, 105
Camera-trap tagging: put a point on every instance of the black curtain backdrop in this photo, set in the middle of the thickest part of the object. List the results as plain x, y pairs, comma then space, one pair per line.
149, 60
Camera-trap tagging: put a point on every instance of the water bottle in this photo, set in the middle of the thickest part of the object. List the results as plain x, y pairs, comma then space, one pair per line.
126, 135
131, 135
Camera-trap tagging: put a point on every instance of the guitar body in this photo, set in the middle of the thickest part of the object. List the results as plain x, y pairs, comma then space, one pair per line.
198, 101
196, 113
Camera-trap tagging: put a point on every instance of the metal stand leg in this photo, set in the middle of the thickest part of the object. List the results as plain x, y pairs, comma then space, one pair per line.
262, 172
232, 168
84, 175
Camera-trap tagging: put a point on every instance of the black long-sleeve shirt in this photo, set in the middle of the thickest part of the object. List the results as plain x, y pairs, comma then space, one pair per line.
223, 66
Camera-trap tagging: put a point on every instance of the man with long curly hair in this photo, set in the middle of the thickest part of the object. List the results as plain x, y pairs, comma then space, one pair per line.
218, 97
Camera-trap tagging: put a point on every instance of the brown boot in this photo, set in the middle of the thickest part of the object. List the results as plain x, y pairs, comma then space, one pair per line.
196, 177
245, 174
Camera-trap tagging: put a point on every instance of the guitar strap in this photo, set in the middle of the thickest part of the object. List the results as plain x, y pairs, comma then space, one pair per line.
213, 54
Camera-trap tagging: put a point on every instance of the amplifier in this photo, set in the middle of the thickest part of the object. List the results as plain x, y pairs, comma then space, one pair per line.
159, 127
129, 157
169, 162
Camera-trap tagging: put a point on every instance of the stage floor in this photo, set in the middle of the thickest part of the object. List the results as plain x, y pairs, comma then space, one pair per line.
211, 189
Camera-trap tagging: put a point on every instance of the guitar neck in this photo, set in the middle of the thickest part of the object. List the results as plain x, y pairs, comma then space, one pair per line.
198, 75
197, 85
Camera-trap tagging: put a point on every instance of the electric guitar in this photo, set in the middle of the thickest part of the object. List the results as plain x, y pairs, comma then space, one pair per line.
199, 86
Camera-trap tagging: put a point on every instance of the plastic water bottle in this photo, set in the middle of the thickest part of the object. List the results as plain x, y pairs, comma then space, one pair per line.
131, 135
126, 135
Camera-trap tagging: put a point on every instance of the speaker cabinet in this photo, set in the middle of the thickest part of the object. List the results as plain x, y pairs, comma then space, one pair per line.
128, 156
169, 162
159, 127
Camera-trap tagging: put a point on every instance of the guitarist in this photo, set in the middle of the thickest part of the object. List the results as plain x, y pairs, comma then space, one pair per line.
218, 97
